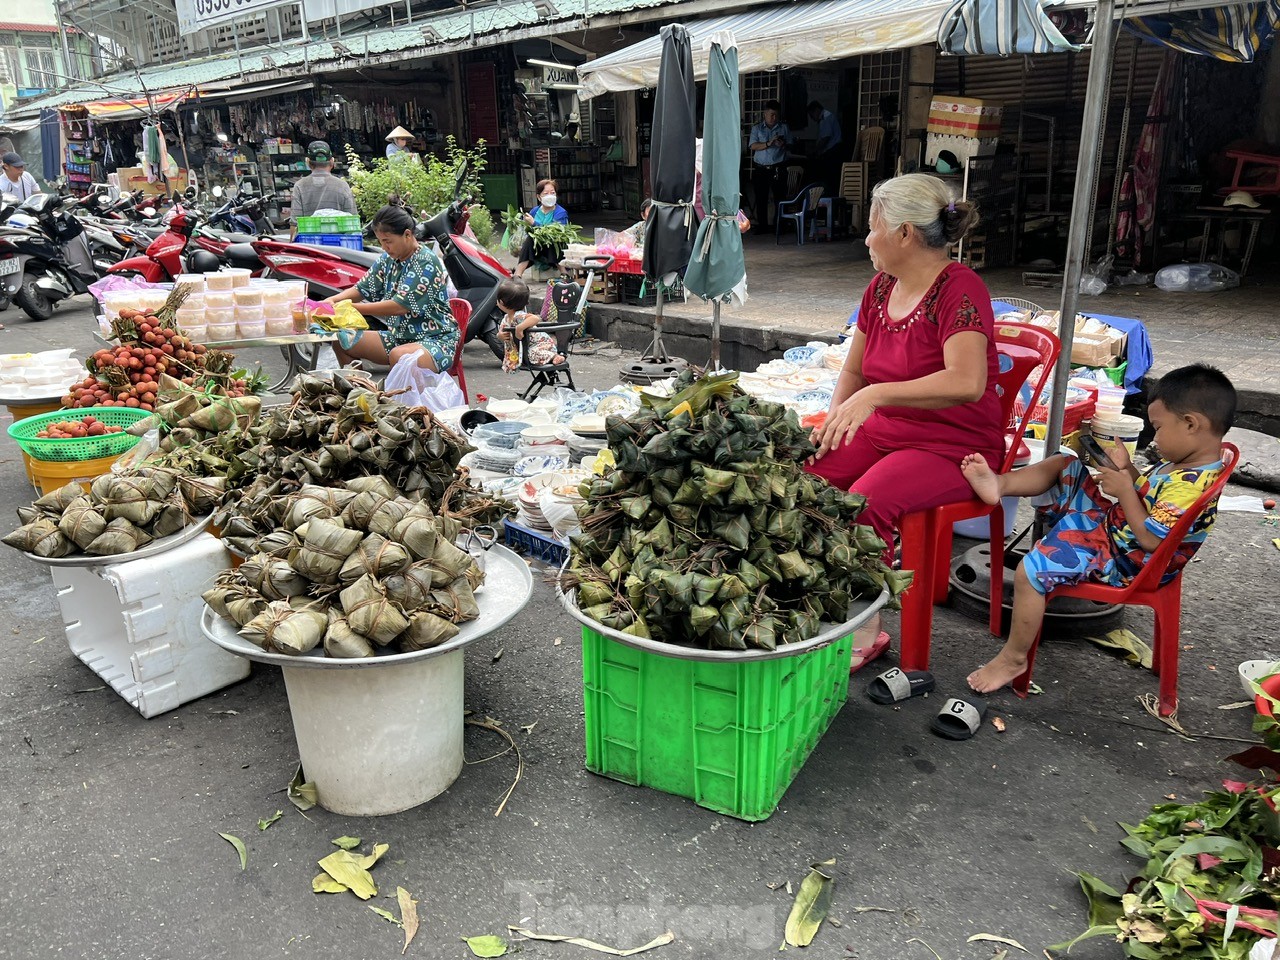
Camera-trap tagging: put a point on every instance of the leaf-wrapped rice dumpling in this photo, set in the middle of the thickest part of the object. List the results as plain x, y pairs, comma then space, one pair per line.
275, 579
343, 643
376, 555
286, 629
426, 630
120, 536
371, 613
58, 500
326, 548
81, 522
42, 538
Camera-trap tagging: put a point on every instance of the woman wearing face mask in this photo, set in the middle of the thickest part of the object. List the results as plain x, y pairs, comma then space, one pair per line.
405, 290
547, 211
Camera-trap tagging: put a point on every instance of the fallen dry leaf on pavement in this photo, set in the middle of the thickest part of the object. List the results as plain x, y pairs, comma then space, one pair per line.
387, 915
263, 824
486, 946
992, 938
408, 916
658, 941
810, 906
999, 724
239, 845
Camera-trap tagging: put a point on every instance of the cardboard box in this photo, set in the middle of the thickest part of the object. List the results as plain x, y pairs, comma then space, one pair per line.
132, 178
964, 117
962, 147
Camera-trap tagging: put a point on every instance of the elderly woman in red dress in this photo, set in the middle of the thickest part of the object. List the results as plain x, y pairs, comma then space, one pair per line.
917, 392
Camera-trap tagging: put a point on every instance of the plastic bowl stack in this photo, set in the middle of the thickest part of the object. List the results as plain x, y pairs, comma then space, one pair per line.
36, 376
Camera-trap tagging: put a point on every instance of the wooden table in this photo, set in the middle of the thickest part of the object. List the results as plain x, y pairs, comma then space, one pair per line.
1250, 216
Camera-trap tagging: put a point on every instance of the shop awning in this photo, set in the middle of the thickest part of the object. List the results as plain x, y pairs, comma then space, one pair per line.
1234, 33
1000, 26
783, 36
119, 108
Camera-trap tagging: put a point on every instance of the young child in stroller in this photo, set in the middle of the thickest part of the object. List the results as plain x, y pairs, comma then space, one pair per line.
513, 297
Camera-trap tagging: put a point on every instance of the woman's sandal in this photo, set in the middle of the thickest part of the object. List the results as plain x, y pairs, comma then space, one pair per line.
864, 655
894, 685
960, 718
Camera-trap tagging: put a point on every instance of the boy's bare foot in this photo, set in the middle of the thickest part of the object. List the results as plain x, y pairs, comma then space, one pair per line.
999, 672
559, 358
985, 482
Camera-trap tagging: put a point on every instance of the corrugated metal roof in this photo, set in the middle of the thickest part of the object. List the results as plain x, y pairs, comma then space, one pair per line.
785, 35
485, 26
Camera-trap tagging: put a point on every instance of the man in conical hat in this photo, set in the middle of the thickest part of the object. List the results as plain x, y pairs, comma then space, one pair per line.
398, 141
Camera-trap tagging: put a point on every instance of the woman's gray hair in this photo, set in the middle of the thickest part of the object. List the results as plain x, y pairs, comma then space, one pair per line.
928, 204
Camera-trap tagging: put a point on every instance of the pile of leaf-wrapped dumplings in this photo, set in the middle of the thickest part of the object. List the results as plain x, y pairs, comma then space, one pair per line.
357, 569
120, 513
709, 533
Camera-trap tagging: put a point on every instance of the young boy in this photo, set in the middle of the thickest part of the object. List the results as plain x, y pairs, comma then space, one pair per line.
1098, 540
513, 297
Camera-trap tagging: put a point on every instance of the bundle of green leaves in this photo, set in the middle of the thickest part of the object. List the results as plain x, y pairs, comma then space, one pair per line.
548, 237
425, 186
1209, 888
709, 532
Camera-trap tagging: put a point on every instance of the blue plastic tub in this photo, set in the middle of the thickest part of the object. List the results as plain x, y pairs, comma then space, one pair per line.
352, 241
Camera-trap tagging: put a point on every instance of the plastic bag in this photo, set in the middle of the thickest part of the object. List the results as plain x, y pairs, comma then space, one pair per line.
513, 239
1095, 278
1196, 278
417, 386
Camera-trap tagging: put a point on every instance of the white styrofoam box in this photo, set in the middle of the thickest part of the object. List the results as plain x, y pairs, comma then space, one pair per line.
136, 624
962, 147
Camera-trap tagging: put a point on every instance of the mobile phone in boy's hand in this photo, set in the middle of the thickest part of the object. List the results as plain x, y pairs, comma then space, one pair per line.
1098, 456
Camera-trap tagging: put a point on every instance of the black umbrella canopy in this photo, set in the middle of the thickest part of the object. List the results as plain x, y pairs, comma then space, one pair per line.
669, 234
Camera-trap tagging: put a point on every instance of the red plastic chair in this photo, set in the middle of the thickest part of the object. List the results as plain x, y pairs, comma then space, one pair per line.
1164, 599
461, 310
926, 534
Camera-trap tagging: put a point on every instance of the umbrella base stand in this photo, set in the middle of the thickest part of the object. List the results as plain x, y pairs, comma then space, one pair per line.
650, 369
654, 364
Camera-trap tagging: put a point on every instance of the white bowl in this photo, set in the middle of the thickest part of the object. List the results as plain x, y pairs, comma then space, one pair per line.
506, 409
1257, 671
540, 433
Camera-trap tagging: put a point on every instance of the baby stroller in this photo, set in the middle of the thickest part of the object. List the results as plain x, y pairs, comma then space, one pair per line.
564, 316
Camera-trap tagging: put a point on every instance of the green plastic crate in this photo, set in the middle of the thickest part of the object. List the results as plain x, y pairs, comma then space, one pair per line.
344, 224
730, 736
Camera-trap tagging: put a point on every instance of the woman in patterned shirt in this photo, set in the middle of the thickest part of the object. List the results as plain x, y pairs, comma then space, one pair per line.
918, 390
406, 291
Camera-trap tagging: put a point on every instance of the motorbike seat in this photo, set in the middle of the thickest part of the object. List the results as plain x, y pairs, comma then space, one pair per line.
243, 255
361, 258
231, 237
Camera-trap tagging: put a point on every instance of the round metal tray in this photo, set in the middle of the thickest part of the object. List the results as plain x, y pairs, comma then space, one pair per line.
861, 612
508, 584
150, 550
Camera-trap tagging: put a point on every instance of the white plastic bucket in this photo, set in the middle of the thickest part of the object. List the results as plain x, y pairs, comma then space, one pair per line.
376, 742
1115, 430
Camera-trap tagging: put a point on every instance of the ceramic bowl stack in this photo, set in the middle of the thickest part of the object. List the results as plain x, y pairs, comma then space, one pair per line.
538, 463
544, 439
530, 513
508, 409
496, 446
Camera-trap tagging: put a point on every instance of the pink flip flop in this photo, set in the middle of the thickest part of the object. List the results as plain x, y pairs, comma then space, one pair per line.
864, 655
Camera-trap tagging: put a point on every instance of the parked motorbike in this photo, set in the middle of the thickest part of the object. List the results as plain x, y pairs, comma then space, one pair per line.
163, 259
472, 269
46, 262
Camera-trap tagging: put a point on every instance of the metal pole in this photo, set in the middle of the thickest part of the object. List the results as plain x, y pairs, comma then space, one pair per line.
67, 66
1091, 132
713, 365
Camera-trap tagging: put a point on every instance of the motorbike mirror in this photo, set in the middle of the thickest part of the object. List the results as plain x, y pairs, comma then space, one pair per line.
217, 191
462, 177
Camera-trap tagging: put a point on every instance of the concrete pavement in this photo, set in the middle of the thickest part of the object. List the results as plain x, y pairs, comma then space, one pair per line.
111, 821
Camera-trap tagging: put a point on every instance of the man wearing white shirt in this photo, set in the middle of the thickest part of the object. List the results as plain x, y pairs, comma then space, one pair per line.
16, 181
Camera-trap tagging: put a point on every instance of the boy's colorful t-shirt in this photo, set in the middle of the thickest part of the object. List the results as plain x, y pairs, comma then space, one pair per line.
1167, 493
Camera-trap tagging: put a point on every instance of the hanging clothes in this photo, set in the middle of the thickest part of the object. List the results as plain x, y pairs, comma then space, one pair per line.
1142, 182
152, 157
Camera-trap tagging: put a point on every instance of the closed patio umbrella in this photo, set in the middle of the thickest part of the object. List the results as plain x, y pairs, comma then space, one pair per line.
718, 270
669, 233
